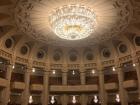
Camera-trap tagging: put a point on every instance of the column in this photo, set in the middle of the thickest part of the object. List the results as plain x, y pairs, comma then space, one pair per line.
83, 99
45, 94
64, 98
102, 92
5, 95
138, 76
83, 77
122, 91
64, 78
26, 93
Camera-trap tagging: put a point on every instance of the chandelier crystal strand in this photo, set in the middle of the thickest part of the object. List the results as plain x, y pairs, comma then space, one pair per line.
73, 22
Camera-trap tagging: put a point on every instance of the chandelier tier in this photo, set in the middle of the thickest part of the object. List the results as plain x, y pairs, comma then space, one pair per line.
73, 22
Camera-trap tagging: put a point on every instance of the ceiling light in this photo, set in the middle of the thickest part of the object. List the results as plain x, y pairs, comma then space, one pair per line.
33, 70
73, 22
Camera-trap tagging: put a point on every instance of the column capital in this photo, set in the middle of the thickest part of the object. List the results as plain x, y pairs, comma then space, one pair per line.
119, 68
82, 68
82, 74
65, 69
100, 71
28, 69
47, 67
46, 73
64, 72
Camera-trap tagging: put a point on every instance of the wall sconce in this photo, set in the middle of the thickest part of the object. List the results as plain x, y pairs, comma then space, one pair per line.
30, 99
52, 100
74, 99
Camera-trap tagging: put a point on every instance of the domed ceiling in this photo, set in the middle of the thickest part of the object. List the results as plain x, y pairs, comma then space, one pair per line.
72, 22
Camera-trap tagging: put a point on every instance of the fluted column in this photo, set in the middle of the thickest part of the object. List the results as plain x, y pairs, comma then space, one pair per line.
102, 92
45, 94
5, 95
122, 91
26, 92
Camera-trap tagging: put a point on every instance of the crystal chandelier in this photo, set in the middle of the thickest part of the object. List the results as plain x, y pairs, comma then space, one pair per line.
73, 22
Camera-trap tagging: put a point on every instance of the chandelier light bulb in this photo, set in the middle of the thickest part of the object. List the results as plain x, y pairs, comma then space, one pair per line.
73, 22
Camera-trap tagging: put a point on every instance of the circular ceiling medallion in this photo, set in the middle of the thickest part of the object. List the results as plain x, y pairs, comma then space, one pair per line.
72, 22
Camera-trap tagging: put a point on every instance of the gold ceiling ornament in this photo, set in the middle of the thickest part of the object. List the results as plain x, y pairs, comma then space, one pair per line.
72, 22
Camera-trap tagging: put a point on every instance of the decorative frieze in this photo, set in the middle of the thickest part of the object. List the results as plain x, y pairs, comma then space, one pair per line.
5, 55
108, 63
21, 60
56, 66
39, 64
73, 66
125, 59
90, 65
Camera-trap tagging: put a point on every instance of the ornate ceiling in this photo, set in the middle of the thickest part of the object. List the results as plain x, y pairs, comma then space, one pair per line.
32, 18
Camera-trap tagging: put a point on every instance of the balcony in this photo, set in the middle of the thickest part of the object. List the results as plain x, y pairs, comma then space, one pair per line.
75, 88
